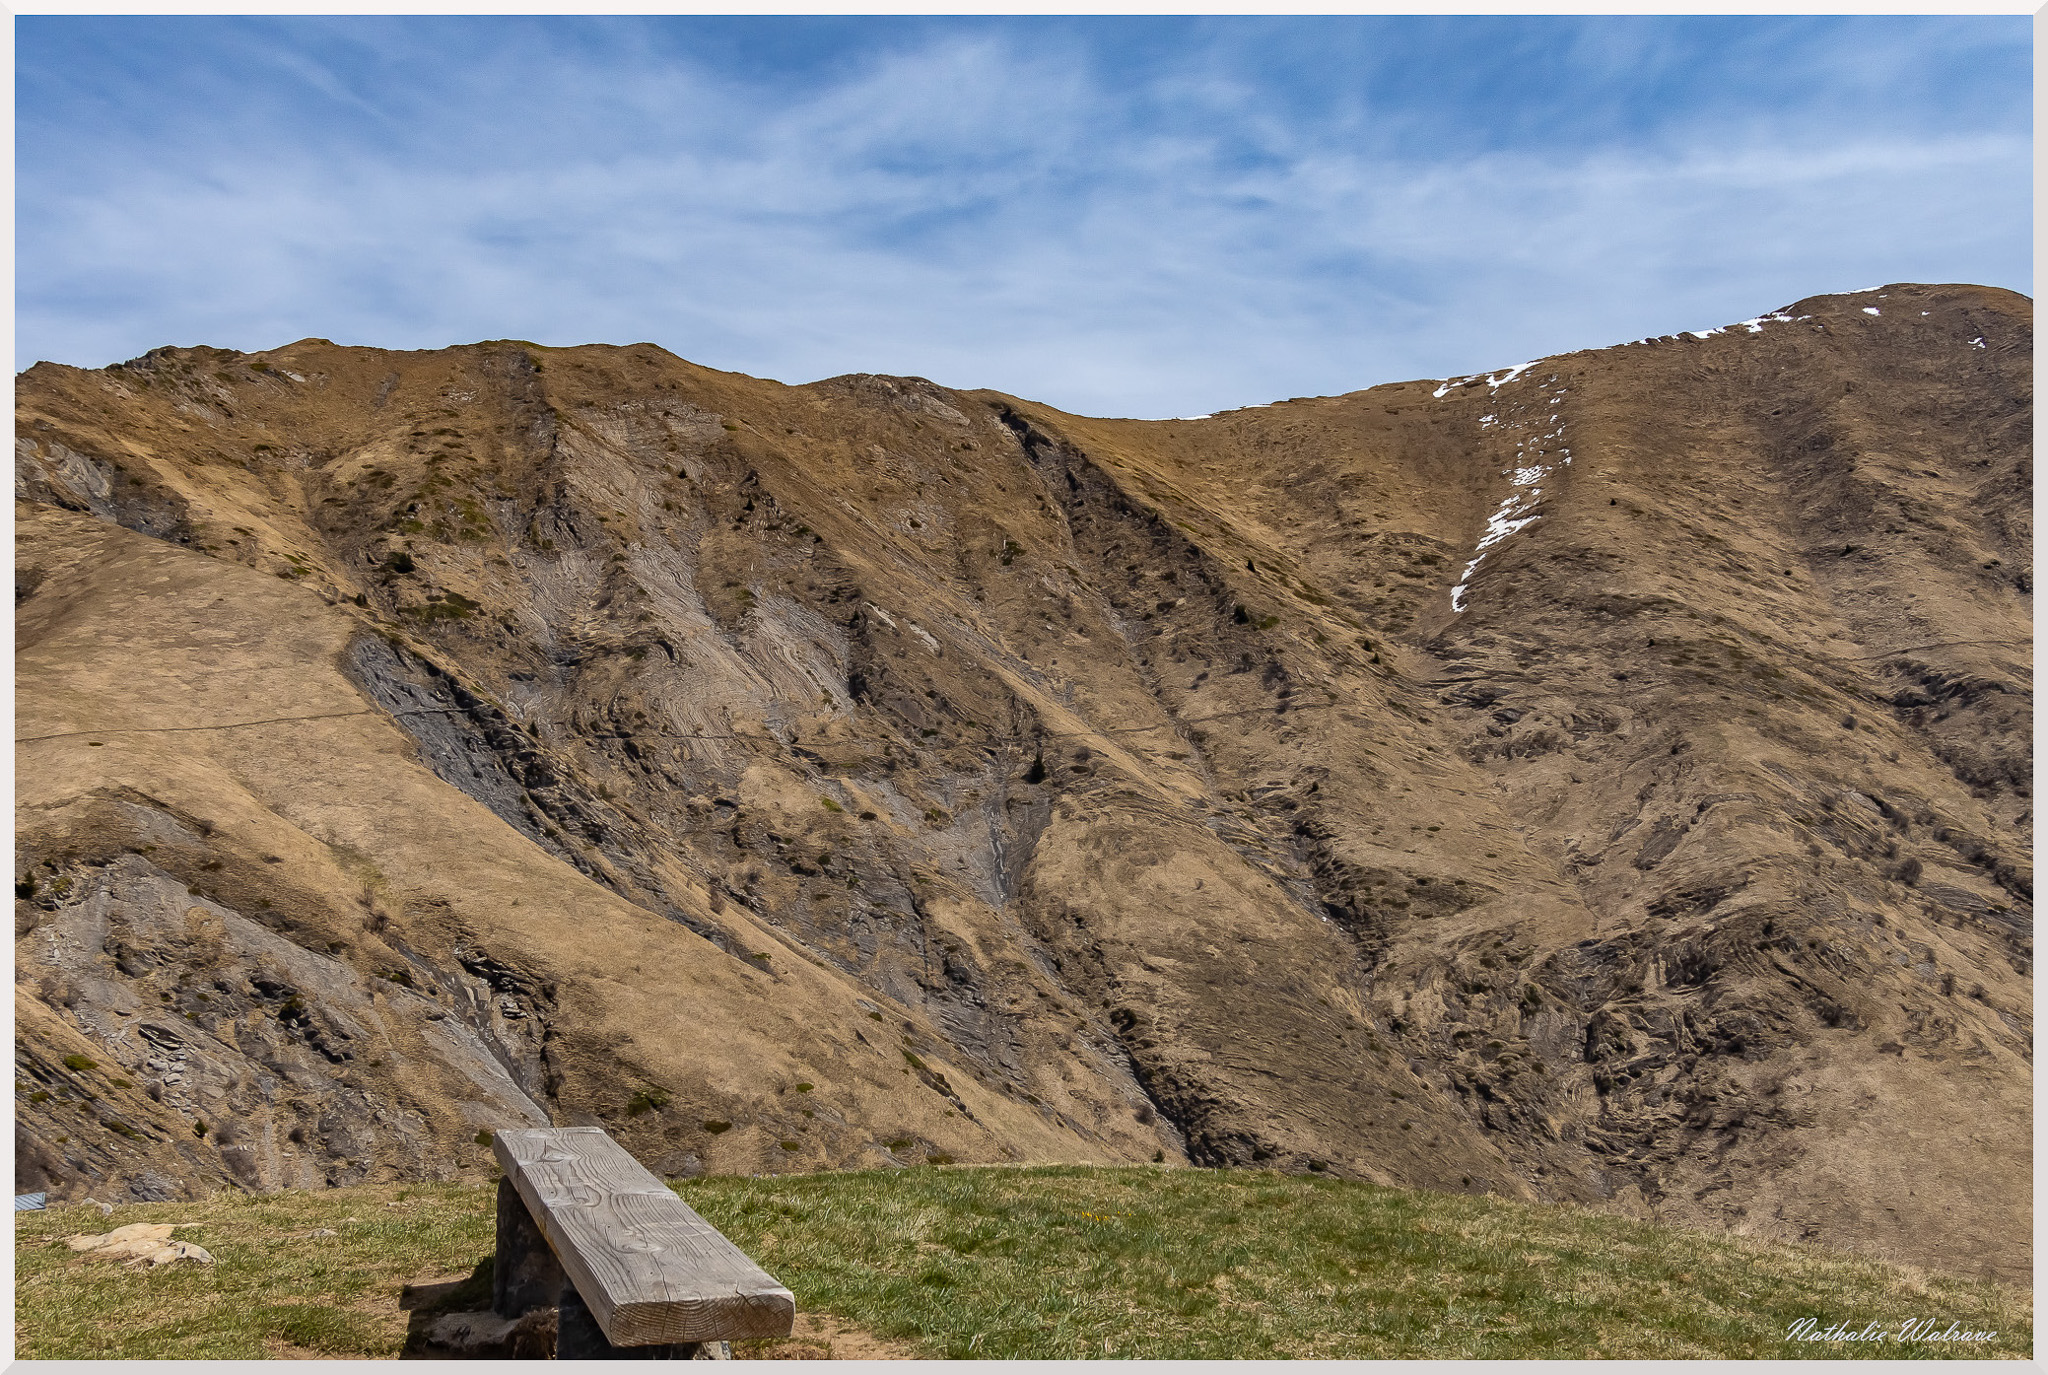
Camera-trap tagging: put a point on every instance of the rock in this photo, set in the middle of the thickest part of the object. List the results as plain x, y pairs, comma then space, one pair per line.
133, 1232
180, 1250
531, 1336
139, 1242
151, 1186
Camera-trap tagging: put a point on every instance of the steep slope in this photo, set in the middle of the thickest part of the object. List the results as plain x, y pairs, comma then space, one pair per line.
1602, 780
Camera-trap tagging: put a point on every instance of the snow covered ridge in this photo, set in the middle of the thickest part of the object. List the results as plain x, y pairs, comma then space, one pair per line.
1782, 316
1530, 467
1535, 458
1493, 380
1255, 406
1752, 326
1500, 377
1755, 326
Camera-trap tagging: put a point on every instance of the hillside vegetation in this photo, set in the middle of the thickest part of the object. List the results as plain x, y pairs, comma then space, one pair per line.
1606, 780
1038, 1262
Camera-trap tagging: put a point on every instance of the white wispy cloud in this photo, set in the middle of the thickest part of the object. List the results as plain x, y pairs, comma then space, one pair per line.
978, 211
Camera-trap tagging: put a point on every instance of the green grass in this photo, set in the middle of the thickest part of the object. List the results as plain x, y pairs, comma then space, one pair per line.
1073, 1262
1039, 1262
272, 1290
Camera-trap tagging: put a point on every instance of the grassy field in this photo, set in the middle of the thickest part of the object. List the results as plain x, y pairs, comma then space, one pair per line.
1043, 1262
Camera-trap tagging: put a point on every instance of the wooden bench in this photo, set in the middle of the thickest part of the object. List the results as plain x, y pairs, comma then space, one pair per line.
634, 1271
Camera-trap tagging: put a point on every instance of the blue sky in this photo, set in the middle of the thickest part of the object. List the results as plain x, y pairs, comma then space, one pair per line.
1118, 216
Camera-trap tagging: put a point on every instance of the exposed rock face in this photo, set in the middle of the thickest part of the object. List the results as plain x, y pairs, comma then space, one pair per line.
789, 777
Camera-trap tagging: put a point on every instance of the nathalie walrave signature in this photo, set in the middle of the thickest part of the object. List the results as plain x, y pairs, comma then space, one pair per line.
1913, 1330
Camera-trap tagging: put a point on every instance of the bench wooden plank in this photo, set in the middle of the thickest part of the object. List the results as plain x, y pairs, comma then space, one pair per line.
648, 1268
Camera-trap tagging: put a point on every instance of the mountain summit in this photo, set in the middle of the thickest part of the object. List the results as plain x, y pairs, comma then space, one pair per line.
1606, 779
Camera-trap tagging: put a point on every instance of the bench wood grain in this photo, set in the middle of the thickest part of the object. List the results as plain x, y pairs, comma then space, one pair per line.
647, 1267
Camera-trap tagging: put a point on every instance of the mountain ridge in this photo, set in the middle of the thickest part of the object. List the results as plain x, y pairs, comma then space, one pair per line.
765, 685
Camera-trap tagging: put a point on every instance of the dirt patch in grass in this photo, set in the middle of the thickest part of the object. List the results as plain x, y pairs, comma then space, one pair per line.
821, 1337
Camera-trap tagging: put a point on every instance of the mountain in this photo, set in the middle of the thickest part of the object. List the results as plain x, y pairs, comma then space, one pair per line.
1604, 780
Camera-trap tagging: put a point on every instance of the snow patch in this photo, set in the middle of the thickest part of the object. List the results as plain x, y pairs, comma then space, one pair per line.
1754, 325
1517, 511
1496, 379
1870, 310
